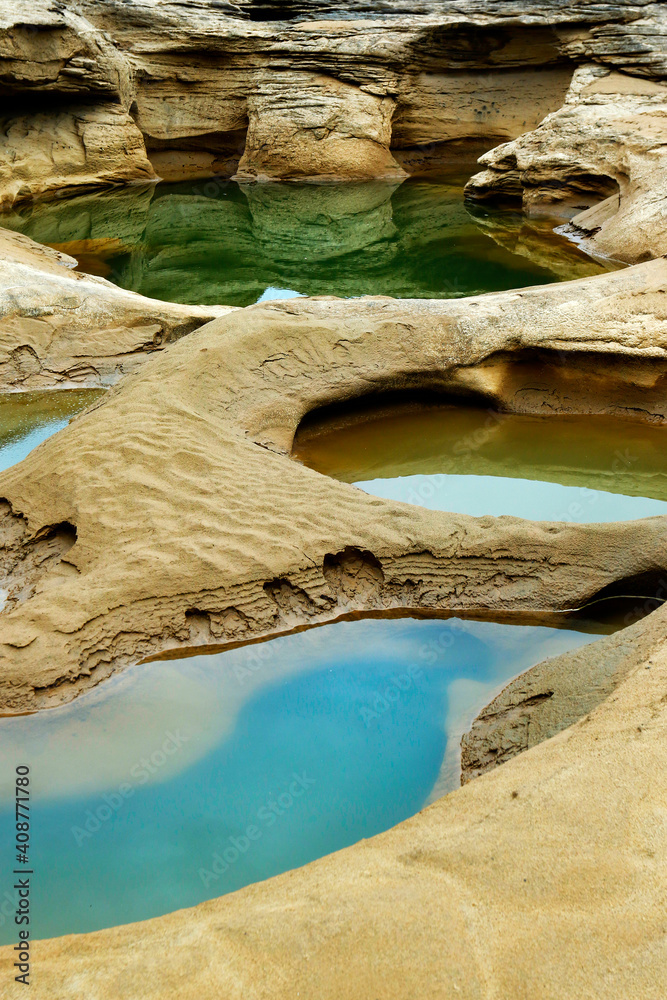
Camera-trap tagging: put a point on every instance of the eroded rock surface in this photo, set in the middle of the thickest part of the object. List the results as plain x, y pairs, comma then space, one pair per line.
59, 327
557, 693
511, 886
51, 48
600, 162
240, 532
334, 92
213, 244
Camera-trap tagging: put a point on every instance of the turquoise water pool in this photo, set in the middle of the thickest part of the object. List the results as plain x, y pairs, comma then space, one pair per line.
181, 780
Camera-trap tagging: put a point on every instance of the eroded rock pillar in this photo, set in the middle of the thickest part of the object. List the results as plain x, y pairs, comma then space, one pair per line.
303, 125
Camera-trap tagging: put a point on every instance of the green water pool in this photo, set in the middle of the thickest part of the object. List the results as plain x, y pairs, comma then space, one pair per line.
475, 461
28, 418
220, 242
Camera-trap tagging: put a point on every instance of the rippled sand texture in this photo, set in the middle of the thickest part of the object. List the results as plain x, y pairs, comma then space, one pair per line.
515, 882
240, 541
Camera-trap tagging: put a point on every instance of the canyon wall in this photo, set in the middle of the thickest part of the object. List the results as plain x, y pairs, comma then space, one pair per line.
103, 92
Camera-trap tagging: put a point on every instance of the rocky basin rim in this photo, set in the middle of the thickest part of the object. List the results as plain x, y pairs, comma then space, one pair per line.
249, 378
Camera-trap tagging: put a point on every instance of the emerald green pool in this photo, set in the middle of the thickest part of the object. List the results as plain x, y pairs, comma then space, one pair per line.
220, 242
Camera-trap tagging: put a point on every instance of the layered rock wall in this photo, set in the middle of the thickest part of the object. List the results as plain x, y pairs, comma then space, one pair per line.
320, 94
512, 885
600, 162
543, 879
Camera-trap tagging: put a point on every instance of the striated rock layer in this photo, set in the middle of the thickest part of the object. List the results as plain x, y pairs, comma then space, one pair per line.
61, 328
201, 88
600, 161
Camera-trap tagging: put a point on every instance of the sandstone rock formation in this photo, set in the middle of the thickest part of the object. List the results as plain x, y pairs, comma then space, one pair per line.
513, 883
81, 146
426, 438
335, 94
600, 161
544, 877
67, 90
558, 692
105, 561
62, 328
52, 49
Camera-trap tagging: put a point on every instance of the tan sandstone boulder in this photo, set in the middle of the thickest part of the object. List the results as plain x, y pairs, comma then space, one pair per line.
59, 327
600, 162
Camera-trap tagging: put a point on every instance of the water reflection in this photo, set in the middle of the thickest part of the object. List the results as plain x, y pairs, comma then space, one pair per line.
28, 418
217, 242
478, 462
